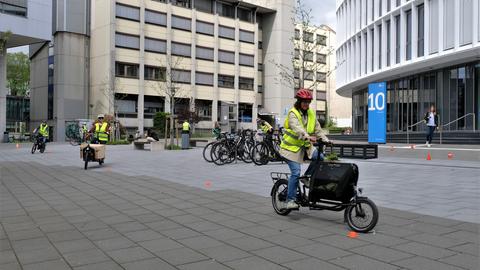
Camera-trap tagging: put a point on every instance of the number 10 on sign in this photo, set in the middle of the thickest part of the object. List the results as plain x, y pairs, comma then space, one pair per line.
377, 113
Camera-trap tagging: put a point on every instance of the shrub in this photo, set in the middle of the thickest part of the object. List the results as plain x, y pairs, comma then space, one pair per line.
119, 142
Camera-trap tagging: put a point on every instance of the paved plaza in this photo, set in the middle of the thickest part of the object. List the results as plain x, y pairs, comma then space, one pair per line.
172, 210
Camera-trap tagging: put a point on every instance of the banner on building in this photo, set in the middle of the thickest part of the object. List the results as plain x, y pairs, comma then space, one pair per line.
377, 112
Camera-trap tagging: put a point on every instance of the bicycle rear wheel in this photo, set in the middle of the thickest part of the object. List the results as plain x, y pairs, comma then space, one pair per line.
260, 154
207, 151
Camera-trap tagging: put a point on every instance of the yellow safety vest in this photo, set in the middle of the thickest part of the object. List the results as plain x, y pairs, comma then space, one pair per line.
186, 126
290, 140
266, 127
43, 130
101, 131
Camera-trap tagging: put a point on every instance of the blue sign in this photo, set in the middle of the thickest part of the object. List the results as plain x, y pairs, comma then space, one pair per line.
377, 112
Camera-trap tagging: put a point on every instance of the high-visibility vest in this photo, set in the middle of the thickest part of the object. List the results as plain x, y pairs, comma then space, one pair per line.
43, 130
101, 131
265, 127
290, 141
186, 126
84, 129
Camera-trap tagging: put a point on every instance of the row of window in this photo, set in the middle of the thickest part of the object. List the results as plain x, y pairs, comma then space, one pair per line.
308, 37
308, 56
152, 73
182, 23
309, 75
181, 49
18, 10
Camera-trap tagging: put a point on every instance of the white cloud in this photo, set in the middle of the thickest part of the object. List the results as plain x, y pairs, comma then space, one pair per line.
323, 12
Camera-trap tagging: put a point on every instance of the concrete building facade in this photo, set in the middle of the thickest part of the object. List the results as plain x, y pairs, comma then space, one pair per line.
427, 51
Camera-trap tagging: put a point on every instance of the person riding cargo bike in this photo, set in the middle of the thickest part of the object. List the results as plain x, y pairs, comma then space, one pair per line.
100, 130
301, 130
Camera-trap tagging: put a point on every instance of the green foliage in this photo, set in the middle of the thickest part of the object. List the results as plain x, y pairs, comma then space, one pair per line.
331, 157
119, 142
173, 147
336, 130
4, 37
159, 122
18, 73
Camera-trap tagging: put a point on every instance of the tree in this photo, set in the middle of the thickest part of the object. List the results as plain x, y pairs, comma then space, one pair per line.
4, 37
18, 73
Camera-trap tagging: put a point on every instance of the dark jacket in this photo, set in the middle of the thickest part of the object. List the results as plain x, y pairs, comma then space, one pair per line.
435, 118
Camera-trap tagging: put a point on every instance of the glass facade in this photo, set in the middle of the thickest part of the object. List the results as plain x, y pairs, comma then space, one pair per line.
453, 90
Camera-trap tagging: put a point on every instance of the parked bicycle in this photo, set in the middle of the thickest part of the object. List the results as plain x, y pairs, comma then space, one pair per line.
267, 150
73, 134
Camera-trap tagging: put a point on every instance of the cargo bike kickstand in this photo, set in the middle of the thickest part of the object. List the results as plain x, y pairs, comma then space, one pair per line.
328, 186
92, 151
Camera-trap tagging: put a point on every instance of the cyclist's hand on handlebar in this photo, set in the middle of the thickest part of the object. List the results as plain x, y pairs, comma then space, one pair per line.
312, 139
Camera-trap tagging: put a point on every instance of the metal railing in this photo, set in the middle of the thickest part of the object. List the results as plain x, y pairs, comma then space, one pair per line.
408, 128
451, 122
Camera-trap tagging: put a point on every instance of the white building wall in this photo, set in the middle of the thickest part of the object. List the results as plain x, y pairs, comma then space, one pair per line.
451, 35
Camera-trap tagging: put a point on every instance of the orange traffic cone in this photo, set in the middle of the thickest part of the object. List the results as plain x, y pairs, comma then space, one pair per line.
429, 157
352, 234
412, 146
450, 155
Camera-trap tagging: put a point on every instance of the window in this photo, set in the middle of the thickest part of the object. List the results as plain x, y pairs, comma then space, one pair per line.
449, 29
246, 36
397, 39
398, 2
155, 45
307, 37
466, 21
244, 14
204, 28
226, 32
126, 70
226, 81
204, 53
181, 3
321, 77
245, 112
307, 56
321, 58
226, 10
202, 78
127, 41
297, 54
409, 35
379, 40
181, 49
245, 83
260, 67
260, 88
296, 73
434, 27
321, 95
154, 17
421, 31
204, 5
181, 23
322, 40
154, 73
389, 5
127, 12
181, 76
246, 60
204, 108
226, 57
260, 45
18, 10
372, 41
308, 75
388, 43
297, 34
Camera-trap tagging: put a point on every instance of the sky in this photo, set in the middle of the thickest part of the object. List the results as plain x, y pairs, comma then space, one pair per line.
323, 12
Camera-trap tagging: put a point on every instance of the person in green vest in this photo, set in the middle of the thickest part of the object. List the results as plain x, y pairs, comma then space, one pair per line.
43, 131
101, 129
84, 131
301, 129
185, 134
264, 126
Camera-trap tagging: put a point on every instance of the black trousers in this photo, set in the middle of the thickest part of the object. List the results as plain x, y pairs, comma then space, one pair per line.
430, 131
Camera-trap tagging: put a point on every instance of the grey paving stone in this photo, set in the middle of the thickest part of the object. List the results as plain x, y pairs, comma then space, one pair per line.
148, 264
200, 242
311, 263
56, 227
260, 231
279, 254
74, 245
7, 256
37, 255
129, 227
470, 248
84, 257
145, 235
358, 262
180, 233
204, 265
101, 234
322, 251
181, 256
162, 225
25, 234
204, 226
381, 253
65, 236
108, 265
438, 241
48, 265
10, 266
5, 244
224, 253
114, 243
341, 241
463, 260
256, 263
290, 241
424, 250
129, 254
159, 245
249, 243
31, 244
382, 239
236, 223
429, 228
224, 234
419, 263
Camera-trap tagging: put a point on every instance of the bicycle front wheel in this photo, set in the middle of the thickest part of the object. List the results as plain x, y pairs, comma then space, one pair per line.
260, 154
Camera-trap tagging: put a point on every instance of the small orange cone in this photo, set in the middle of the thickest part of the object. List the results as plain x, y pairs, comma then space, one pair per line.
412, 146
450, 155
208, 184
429, 157
18, 145
352, 234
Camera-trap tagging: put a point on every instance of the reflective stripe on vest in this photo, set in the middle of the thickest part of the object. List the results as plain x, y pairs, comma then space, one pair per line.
101, 131
290, 139
186, 126
43, 130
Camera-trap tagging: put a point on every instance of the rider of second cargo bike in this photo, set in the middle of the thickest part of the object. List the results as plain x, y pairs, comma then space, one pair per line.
301, 130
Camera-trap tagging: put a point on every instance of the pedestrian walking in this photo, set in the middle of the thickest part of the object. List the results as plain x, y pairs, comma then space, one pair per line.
431, 119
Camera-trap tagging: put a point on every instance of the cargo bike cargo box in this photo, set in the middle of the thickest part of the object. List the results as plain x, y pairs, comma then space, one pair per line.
99, 150
333, 181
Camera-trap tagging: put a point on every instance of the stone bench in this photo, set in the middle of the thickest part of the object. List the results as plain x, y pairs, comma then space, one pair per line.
154, 145
193, 142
